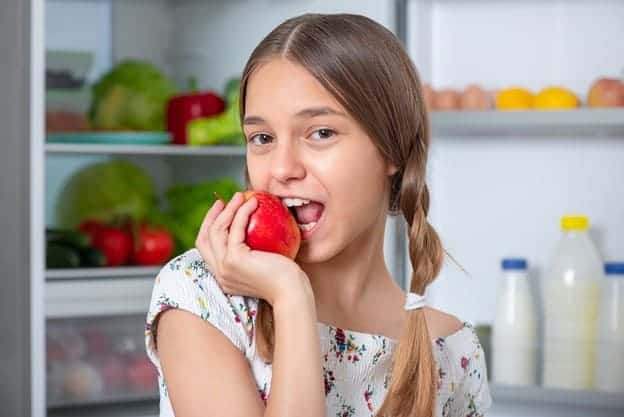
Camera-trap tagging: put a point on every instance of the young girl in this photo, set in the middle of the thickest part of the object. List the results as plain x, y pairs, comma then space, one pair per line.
335, 123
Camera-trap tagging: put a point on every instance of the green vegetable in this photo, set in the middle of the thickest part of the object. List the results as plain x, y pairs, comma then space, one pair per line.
71, 238
64, 245
222, 129
216, 130
61, 256
188, 205
108, 192
232, 92
92, 257
132, 96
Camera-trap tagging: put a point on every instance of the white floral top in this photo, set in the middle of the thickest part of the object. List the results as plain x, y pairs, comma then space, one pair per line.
356, 365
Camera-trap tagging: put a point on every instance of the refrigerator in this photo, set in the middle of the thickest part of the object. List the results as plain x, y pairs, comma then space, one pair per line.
499, 181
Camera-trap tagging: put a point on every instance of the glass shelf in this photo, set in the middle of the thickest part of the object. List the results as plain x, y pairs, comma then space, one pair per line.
574, 123
166, 150
502, 393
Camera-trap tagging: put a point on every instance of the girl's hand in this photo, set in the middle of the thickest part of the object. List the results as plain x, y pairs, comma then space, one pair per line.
239, 270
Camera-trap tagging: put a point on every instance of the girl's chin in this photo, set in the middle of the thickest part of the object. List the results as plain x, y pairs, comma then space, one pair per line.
309, 253
314, 252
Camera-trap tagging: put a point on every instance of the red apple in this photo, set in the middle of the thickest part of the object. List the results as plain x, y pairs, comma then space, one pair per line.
54, 351
606, 92
142, 375
113, 371
98, 342
272, 227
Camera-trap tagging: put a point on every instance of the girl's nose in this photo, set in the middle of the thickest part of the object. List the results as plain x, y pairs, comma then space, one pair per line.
286, 164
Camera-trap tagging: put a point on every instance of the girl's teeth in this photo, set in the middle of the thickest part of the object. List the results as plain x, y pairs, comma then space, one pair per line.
307, 227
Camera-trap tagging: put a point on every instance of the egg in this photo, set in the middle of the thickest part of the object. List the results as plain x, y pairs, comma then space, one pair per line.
475, 98
447, 100
428, 95
82, 381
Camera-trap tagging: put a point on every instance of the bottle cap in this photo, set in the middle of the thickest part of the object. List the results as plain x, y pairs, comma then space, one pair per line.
574, 223
614, 268
514, 264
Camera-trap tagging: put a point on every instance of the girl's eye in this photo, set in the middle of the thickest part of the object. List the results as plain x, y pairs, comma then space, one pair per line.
262, 137
324, 133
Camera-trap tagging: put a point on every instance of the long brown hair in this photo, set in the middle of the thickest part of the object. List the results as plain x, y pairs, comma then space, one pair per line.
364, 66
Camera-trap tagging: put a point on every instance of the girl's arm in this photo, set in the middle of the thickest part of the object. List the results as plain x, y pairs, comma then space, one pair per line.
297, 388
207, 375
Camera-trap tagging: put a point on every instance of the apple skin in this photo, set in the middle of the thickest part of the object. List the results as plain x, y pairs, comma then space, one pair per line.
606, 92
272, 227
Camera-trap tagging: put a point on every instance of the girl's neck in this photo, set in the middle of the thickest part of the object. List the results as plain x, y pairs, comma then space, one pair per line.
355, 288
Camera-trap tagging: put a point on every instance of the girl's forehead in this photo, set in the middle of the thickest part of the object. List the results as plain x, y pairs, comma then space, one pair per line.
282, 82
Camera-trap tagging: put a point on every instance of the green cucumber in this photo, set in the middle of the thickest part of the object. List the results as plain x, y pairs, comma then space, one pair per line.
92, 257
66, 237
61, 256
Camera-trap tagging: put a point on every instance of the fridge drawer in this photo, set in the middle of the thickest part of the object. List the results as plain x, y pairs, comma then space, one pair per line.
93, 360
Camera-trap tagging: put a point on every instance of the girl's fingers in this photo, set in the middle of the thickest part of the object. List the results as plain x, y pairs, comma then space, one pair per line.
224, 219
218, 232
239, 224
210, 217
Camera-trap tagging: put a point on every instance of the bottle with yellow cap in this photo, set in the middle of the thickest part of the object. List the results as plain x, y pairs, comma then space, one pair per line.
571, 294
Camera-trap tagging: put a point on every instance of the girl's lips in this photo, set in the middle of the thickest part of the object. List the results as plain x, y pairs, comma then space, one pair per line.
306, 234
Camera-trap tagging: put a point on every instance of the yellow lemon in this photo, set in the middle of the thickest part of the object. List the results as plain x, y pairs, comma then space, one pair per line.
514, 98
551, 98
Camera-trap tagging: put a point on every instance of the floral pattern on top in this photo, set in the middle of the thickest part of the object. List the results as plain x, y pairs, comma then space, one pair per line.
356, 366
344, 345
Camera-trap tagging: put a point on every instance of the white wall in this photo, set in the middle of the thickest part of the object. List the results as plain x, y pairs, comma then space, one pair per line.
81, 25
495, 197
533, 43
214, 39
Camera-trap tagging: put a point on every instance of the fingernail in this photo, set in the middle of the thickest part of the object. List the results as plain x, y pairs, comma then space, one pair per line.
219, 198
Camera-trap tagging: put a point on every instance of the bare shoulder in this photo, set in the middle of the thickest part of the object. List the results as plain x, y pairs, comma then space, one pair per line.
440, 323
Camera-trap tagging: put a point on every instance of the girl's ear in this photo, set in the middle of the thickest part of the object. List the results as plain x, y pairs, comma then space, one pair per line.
391, 169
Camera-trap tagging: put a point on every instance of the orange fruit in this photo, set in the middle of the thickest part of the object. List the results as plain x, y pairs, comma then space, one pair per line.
514, 98
554, 98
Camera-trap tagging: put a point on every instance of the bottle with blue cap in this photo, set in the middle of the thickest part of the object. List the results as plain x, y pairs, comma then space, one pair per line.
514, 331
571, 295
610, 333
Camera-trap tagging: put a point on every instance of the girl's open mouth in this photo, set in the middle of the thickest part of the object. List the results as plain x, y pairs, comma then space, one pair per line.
308, 229
307, 213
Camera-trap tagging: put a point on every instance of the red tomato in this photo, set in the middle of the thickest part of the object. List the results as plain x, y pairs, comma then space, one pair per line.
115, 243
154, 246
90, 228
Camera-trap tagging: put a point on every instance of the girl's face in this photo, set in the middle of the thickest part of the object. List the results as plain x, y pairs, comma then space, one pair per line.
302, 143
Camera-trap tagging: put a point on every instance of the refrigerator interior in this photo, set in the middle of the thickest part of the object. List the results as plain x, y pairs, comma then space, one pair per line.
496, 192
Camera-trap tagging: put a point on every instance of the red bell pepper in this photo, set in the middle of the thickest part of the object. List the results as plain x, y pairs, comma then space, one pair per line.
185, 107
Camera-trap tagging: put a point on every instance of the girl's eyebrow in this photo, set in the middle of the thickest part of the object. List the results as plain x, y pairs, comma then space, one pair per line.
305, 113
